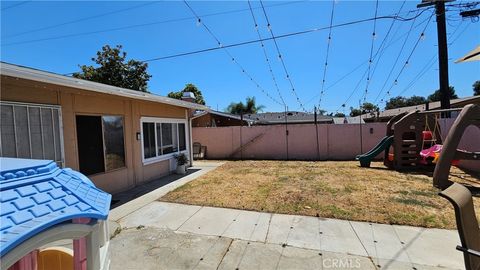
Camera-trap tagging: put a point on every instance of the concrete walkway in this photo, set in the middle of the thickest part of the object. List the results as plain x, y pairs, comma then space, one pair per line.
149, 194
159, 235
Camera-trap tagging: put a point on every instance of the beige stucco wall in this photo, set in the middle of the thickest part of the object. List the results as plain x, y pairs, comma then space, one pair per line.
80, 102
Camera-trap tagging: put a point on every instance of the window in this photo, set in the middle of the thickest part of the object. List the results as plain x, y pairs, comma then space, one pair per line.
31, 131
100, 143
162, 137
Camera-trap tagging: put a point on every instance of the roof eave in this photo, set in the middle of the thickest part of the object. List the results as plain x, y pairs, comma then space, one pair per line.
52, 78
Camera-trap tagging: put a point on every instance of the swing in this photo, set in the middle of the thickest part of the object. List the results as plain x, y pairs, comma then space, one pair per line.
432, 153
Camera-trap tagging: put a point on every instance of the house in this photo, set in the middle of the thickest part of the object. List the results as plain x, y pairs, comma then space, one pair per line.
120, 138
292, 117
218, 119
384, 116
348, 120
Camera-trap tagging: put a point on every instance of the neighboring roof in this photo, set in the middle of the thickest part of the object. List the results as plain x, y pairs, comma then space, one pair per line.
292, 117
431, 106
473, 55
36, 195
228, 115
348, 120
48, 77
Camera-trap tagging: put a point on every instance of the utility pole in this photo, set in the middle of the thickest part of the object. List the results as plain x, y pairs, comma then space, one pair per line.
442, 50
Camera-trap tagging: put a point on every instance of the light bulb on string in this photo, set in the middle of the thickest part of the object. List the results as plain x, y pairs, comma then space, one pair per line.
199, 22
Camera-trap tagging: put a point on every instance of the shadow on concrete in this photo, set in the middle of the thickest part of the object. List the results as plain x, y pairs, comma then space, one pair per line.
133, 193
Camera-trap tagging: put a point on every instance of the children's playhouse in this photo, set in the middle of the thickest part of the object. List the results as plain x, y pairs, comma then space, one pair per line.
41, 203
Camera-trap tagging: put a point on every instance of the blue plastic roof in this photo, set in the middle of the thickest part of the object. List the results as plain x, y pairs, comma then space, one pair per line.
36, 195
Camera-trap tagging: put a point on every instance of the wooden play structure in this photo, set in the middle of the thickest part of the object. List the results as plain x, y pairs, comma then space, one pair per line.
410, 142
414, 141
412, 133
41, 203
469, 116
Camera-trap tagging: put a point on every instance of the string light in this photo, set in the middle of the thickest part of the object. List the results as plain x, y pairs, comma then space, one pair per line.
411, 53
266, 55
329, 40
231, 56
280, 57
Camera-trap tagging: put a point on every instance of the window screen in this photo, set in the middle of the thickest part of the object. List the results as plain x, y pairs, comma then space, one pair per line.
167, 138
31, 131
181, 137
149, 140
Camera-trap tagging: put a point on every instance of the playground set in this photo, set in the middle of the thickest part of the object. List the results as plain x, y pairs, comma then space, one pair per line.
40, 204
413, 141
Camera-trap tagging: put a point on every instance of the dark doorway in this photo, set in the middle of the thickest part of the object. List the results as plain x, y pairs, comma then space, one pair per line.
90, 144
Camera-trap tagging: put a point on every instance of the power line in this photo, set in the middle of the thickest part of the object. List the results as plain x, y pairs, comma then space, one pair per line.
381, 53
396, 61
422, 35
354, 90
370, 61
15, 5
266, 55
287, 74
271, 38
326, 56
80, 20
138, 25
199, 20
339, 80
432, 60
419, 75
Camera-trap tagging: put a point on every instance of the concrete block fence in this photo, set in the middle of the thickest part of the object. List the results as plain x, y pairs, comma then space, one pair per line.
335, 142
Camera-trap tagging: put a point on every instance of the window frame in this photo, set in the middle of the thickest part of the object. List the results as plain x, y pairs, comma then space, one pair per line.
103, 141
159, 120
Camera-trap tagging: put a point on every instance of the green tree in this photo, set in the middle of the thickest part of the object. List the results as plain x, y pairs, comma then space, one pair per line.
250, 106
476, 88
366, 107
436, 95
189, 87
355, 112
396, 102
416, 100
114, 69
339, 114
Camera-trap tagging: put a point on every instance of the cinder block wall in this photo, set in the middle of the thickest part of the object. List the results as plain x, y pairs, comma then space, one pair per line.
335, 142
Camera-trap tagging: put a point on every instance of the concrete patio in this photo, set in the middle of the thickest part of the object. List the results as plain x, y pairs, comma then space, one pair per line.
159, 235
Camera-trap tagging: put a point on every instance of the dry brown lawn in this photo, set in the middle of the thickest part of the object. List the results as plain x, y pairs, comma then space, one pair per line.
326, 189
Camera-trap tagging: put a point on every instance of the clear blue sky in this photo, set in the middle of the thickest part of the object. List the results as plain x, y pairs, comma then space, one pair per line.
30, 31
